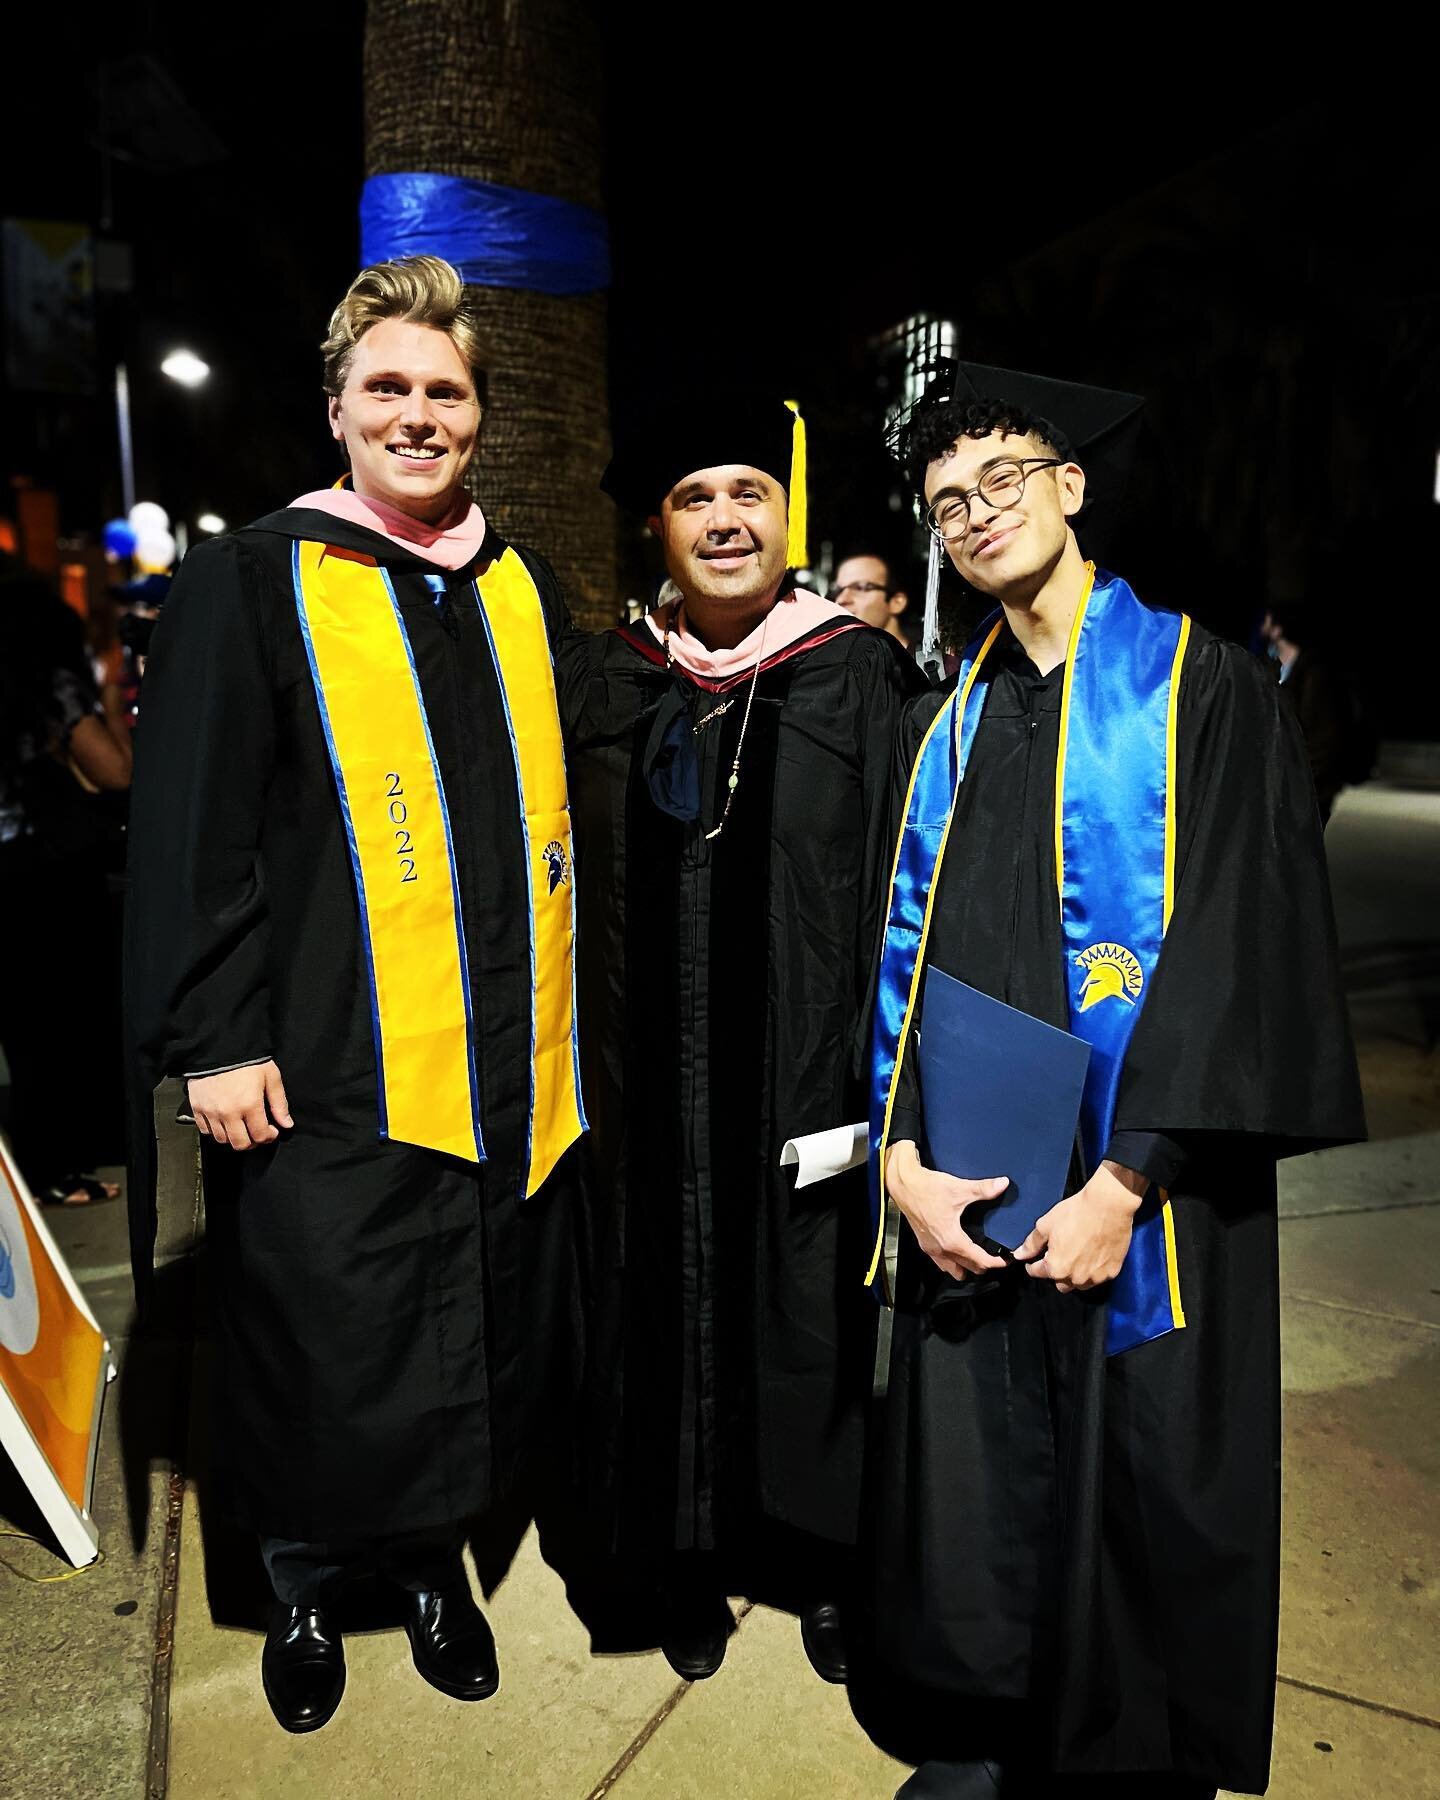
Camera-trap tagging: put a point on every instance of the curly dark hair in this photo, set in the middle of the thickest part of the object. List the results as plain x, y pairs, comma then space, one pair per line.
937, 421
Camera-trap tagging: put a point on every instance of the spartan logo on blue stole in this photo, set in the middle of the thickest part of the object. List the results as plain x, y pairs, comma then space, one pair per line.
1111, 973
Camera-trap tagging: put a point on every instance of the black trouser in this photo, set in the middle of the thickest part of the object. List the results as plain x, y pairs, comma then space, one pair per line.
772, 1562
310, 1574
972, 1781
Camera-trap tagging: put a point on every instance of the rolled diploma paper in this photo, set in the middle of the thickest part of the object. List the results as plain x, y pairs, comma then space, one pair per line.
826, 1153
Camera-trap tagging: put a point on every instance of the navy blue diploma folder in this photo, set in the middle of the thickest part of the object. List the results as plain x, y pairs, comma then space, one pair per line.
1001, 1096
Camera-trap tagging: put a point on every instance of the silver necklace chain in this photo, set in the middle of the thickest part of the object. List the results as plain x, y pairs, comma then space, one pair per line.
734, 780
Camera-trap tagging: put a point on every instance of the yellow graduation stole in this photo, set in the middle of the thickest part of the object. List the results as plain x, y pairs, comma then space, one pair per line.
403, 857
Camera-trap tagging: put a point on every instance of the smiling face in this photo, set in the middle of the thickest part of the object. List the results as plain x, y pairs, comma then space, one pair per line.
408, 417
723, 531
1005, 547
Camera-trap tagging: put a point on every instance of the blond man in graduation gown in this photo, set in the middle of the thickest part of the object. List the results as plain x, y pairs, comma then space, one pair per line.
350, 930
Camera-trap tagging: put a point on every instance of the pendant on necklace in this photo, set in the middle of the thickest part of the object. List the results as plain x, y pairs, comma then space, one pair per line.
714, 713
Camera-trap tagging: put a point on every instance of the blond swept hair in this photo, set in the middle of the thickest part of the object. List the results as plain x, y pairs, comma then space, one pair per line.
424, 290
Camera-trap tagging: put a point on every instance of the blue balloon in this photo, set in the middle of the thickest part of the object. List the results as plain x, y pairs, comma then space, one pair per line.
119, 537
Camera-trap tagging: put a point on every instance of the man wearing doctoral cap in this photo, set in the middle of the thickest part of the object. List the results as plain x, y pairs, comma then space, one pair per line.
729, 761
1107, 823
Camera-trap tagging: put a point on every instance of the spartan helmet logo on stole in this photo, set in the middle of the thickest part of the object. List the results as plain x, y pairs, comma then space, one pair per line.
558, 863
1112, 973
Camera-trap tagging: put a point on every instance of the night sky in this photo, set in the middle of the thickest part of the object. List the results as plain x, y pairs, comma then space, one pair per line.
775, 202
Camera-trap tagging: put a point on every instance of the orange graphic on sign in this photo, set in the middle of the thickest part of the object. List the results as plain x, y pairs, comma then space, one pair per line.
50, 1352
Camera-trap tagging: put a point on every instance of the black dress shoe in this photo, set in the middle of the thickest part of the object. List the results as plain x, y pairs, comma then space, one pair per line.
302, 1667
696, 1634
451, 1642
824, 1641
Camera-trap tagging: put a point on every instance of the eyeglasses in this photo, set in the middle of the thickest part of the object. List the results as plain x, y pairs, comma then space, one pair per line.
862, 588
1002, 484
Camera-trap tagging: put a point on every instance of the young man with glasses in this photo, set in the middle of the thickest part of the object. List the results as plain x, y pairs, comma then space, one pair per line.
865, 586
1108, 824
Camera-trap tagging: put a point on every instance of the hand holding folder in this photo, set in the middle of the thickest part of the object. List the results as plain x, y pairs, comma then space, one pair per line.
1000, 1093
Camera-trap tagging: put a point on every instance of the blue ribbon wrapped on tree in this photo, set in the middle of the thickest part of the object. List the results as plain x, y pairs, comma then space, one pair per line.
495, 236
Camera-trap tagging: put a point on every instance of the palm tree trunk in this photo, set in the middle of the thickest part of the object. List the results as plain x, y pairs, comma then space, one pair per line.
507, 91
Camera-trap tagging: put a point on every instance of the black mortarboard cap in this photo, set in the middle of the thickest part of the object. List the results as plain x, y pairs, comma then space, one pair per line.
1098, 427
700, 427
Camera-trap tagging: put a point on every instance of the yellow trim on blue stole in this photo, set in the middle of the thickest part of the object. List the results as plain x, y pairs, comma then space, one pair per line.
1065, 685
1171, 718
1171, 737
396, 822
1172, 1265
515, 620
946, 714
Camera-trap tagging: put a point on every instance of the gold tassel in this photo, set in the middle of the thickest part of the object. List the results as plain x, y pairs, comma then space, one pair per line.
797, 555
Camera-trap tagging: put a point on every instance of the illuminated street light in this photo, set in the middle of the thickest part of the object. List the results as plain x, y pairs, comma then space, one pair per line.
211, 522
185, 367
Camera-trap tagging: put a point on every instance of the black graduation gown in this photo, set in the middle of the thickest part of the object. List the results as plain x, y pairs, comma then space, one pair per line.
392, 1327
1097, 1539
722, 988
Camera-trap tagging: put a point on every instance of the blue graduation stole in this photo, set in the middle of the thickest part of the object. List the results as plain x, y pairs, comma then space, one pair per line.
1115, 880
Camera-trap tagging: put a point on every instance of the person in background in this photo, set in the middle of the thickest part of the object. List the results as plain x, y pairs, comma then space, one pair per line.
865, 586
64, 746
138, 603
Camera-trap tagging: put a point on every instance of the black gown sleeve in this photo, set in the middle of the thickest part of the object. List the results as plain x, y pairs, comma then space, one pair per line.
1245, 1030
196, 919
919, 715
1153, 1154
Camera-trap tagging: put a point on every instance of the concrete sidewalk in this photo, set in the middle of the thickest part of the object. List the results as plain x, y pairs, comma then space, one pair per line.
1358, 1702
84, 1659
1358, 1706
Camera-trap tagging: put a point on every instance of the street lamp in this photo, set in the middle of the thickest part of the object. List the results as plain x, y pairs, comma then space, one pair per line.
211, 522
185, 367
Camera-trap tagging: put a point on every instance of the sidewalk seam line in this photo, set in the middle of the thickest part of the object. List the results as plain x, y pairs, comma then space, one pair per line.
1351, 1212
1375, 1706
157, 1750
647, 1731
1363, 1312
